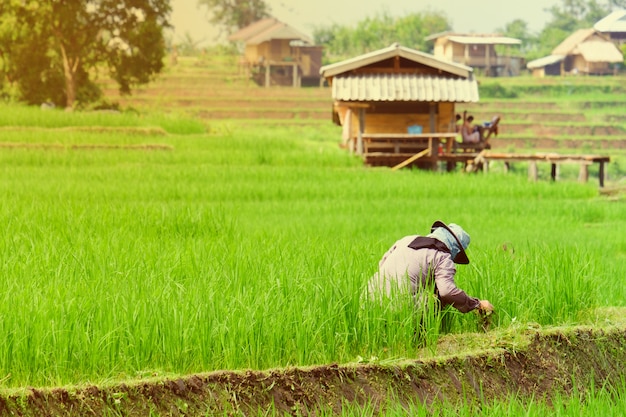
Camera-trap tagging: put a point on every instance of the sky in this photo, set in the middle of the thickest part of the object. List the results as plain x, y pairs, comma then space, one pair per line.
467, 16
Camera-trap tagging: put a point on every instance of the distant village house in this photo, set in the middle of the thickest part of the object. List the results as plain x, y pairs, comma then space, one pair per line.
275, 54
586, 51
614, 26
489, 54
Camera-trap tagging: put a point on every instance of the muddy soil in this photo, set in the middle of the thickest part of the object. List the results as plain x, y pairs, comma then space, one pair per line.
557, 361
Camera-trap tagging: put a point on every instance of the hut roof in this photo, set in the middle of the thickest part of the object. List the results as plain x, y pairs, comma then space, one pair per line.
404, 87
545, 61
614, 22
598, 51
572, 41
267, 29
392, 51
591, 44
483, 40
476, 39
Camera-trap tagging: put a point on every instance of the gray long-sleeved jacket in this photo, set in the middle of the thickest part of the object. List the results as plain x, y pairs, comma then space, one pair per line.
401, 262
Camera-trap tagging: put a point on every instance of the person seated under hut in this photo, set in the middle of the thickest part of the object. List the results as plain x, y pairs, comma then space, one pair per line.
474, 133
470, 132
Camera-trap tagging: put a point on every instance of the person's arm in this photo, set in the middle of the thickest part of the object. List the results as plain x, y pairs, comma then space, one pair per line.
449, 293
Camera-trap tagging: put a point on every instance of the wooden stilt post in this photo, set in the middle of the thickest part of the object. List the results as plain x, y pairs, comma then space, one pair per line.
359, 144
553, 171
601, 174
583, 174
532, 171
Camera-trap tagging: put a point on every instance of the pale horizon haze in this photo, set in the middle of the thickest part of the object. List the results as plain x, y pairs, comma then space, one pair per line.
478, 16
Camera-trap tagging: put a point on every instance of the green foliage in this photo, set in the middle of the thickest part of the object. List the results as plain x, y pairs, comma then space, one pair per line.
249, 247
341, 42
577, 14
49, 50
567, 17
497, 90
232, 15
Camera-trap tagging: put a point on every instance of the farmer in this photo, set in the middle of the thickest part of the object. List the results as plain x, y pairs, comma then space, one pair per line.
415, 263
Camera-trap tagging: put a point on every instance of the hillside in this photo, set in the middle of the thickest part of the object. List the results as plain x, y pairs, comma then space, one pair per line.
546, 114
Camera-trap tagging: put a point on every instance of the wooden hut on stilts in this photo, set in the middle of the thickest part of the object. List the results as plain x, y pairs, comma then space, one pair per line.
397, 105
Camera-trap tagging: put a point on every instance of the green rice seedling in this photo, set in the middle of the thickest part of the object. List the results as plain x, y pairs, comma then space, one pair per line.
250, 248
15, 116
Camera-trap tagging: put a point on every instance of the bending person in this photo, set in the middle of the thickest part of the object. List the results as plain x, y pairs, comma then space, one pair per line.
415, 263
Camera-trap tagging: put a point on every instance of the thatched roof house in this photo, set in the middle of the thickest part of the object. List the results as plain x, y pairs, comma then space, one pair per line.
396, 91
478, 51
586, 51
613, 25
274, 53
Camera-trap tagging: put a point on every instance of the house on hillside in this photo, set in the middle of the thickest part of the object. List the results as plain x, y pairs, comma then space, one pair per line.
397, 101
491, 54
586, 51
275, 54
614, 26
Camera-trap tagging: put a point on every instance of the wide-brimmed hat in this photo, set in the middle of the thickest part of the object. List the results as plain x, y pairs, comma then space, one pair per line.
461, 237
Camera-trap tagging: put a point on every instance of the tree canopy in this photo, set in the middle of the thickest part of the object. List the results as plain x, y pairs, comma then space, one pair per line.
567, 17
232, 15
380, 31
50, 50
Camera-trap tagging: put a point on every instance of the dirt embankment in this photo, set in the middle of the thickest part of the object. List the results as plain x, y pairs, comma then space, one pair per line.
559, 361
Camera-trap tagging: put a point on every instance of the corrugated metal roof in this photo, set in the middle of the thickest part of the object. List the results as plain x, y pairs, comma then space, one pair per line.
390, 52
404, 87
485, 40
598, 51
614, 22
545, 61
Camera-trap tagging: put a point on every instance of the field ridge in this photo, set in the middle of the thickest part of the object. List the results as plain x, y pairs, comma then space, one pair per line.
537, 364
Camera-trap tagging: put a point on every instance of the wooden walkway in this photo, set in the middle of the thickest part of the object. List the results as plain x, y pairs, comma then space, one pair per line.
428, 150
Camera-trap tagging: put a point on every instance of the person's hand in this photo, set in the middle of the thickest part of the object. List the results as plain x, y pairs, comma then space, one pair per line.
485, 307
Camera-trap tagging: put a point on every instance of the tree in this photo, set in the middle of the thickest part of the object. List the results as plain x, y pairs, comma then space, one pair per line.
70, 39
412, 29
232, 15
341, 42
576, 14
568, 17
518, 29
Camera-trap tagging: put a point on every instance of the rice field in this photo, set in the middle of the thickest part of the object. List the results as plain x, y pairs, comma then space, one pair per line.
234, 247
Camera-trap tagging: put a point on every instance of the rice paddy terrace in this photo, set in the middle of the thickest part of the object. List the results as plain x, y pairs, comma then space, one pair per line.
521, 361
562, 113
